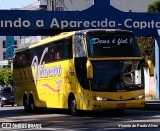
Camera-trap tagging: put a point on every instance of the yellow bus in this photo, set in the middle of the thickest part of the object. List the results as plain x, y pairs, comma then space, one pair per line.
93, 69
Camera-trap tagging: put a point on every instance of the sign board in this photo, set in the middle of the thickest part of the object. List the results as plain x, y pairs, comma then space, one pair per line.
4, 62
101, 15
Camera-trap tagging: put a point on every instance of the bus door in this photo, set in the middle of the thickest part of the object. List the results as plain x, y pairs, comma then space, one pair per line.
82, 84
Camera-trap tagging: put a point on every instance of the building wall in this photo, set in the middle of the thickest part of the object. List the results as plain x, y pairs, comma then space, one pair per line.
39, 5
70, 5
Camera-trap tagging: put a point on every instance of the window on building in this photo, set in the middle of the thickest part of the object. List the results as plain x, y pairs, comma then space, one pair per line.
58, 5
4, 43
4, 55
15, 43
59, 9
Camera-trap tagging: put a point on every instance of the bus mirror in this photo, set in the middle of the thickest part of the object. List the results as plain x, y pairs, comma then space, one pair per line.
150, 65
89, 70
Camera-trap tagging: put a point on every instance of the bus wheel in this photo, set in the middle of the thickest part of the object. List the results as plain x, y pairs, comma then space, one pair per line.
31, 105
73, 106
25, 104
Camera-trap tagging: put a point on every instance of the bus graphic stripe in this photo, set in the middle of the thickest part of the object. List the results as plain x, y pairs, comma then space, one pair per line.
51, 88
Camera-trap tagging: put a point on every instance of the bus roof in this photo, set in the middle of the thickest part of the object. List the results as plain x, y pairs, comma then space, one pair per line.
100, 30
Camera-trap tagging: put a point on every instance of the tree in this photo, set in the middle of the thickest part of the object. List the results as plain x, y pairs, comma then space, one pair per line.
146, 44
147, 47
154, 7
6, 76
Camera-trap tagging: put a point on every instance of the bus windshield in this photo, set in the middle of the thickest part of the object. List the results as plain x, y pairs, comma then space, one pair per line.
117, 75
116, 44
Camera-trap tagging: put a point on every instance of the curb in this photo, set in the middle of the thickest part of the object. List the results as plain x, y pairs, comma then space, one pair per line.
152, 105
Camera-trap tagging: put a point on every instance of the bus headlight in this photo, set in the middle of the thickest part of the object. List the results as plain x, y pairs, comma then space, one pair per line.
139, 97
3, 98
98, 98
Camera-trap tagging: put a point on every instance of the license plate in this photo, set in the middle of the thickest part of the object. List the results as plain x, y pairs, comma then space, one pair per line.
121, 105
11, 100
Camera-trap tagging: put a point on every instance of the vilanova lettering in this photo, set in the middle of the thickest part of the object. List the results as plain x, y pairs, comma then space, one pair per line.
43, 72
16, 23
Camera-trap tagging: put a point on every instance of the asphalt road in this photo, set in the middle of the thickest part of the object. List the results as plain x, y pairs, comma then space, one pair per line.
59, 120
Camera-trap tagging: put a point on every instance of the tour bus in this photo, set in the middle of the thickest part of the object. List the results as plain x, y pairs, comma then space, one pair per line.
93, 69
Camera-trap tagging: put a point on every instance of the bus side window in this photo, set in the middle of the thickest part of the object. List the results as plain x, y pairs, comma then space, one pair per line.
16, 62
68, 48
24, 60
28, 59
58, 54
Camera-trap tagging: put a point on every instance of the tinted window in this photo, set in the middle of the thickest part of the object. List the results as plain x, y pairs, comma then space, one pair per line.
54, 51
117, 75
112, 45
7, 90
22, 59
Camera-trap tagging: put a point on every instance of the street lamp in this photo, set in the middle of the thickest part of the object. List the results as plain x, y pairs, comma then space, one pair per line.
10, 54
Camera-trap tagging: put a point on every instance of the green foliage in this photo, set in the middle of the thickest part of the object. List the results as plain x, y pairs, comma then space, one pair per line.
6, 76
154, 7
146, 45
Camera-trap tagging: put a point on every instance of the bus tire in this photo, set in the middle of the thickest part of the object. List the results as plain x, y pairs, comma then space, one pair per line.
25, 104
73, 106
32, 107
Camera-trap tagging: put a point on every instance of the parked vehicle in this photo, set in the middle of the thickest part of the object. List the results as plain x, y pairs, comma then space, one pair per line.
6, 97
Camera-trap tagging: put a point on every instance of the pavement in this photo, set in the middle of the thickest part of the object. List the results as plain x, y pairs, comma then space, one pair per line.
152, 104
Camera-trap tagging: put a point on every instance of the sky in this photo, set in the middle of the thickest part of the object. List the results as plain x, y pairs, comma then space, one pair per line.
8, 4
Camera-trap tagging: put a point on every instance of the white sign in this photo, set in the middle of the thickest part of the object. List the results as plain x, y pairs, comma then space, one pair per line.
4, 62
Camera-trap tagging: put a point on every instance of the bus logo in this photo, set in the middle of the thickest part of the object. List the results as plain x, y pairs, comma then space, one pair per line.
42, 71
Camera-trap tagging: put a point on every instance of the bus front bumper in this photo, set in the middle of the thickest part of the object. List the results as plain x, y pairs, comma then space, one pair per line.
107, 105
